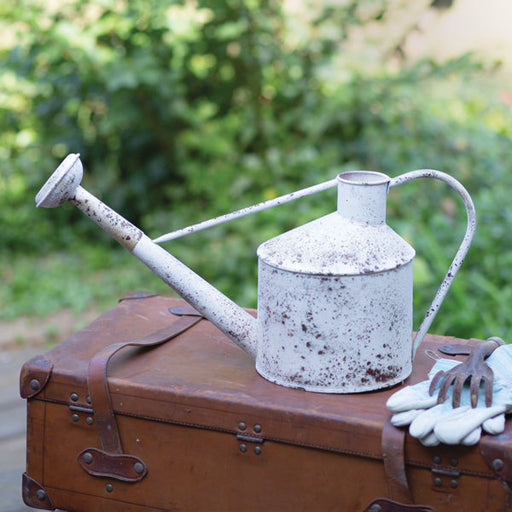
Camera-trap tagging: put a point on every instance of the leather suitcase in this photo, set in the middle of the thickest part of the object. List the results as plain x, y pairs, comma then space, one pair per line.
189, 425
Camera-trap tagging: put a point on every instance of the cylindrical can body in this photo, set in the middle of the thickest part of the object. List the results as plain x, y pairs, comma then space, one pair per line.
335, 334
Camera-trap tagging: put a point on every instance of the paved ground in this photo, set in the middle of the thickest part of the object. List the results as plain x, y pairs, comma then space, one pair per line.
20, 340
12, 428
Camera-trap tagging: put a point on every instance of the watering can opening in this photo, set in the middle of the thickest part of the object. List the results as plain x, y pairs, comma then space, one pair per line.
363, 178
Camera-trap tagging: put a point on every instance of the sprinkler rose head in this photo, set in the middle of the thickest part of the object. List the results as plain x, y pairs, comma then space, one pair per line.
62, 184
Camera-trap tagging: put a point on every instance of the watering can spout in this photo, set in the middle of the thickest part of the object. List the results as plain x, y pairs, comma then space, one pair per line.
64, 185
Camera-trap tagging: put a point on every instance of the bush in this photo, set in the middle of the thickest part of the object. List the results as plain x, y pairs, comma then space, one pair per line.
183, 111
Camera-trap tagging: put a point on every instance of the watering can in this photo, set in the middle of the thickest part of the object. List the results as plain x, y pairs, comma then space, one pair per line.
334, 295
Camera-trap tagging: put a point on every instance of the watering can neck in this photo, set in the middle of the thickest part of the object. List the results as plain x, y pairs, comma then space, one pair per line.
362, 196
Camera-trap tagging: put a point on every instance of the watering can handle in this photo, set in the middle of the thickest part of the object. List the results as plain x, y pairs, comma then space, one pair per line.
461, 252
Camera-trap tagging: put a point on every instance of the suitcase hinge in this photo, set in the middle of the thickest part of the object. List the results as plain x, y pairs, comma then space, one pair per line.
79, 408
246, 438
250, 439
441, 475
76, 410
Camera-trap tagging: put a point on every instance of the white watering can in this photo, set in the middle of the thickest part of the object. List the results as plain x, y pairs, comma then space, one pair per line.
334, 295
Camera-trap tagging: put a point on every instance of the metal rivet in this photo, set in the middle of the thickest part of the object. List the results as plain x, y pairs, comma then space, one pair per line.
257, 450
109, 487
454, 461
375, 508
89, 420
436, 459
498, 464
242, 425
257, 428
88, 400
243, 448
438, 482
75, 417
138, 467
74, 397
454, 484
41, 495
87, 457
35, 385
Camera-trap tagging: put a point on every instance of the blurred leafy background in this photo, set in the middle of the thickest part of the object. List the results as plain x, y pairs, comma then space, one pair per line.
184, 110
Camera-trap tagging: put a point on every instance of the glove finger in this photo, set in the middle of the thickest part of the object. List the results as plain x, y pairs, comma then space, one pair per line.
500, 362
472, 438
456, 426
494, 425
411, 397
455, 413
401, 419
430, 440
424, 423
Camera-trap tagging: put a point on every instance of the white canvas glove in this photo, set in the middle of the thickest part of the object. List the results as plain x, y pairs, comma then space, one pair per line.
434, 423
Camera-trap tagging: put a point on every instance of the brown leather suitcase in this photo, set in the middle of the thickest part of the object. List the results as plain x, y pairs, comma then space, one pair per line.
188, 425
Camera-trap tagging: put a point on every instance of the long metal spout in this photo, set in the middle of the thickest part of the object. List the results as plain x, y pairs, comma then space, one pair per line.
64, 185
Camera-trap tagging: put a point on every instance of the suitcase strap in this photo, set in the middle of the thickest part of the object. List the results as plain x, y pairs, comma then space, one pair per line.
400, 497
111, 461
393, 454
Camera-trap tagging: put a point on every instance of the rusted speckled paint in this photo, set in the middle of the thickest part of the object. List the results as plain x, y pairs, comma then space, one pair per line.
335, 295
354, 334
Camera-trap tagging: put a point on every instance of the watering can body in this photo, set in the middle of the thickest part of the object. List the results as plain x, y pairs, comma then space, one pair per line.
334, 295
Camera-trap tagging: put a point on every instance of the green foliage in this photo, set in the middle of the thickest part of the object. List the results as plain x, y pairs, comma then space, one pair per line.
77, 279
186, 110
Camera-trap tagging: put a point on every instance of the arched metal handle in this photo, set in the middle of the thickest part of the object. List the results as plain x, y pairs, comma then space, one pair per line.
461, 252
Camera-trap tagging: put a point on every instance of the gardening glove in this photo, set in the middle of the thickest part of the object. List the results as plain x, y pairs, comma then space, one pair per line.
434, 423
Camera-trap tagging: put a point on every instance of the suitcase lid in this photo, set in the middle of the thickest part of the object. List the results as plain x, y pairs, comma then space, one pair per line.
202, 379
